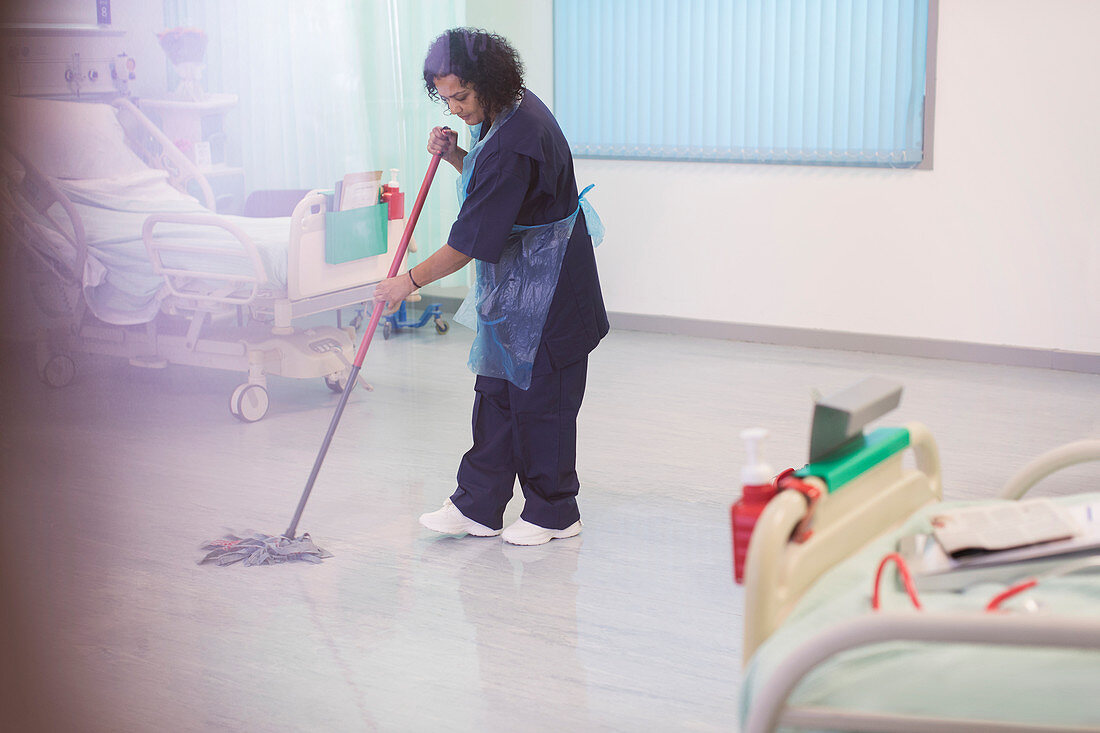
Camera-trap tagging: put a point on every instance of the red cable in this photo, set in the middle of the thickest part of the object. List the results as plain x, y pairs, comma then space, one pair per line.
1020, 587
906, 580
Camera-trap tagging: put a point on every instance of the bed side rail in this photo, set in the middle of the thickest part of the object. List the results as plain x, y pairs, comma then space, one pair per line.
768, 707
1064, 456
158, 151
175, 278
309, 274
38, 193
779, 570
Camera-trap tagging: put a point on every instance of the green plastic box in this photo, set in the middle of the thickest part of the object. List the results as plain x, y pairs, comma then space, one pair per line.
861, 454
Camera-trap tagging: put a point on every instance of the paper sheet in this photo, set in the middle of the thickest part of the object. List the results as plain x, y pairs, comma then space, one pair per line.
1001, 526
360, 189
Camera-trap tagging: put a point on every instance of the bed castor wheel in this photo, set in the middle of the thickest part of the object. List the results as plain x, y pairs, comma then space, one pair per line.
441, 326
387, 330
337, 383
58, 371
249, 402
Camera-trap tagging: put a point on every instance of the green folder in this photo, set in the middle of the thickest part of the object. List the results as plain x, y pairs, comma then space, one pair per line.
356, 233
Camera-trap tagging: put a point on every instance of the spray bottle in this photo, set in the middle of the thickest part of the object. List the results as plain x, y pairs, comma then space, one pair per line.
391, 194
757, 490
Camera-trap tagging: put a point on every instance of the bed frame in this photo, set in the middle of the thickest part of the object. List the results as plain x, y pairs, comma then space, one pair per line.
779, 570
263, 340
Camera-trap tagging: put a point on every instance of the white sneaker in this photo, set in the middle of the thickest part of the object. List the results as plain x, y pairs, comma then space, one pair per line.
522, 532
449, 520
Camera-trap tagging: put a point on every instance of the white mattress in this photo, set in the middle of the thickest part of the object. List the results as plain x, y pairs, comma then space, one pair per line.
119, 283
83, 148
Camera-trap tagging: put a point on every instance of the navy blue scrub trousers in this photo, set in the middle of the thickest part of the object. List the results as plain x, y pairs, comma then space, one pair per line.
528, 433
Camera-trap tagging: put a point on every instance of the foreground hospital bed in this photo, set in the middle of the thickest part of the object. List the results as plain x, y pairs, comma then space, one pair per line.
989, 652
121, 253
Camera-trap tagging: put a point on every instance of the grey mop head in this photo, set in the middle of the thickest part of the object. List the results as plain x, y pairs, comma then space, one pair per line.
262, 549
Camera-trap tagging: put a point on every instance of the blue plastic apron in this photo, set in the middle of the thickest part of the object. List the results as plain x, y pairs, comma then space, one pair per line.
510, 300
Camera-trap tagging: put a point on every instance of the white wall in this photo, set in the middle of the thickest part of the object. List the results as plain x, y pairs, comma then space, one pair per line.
142, 20
528, 25
80, 12
998, 244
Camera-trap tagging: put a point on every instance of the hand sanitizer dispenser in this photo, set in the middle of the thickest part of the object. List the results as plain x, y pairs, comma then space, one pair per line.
392, 195
757, 490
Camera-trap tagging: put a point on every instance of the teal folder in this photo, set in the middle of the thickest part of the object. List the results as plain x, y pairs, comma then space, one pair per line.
356, 233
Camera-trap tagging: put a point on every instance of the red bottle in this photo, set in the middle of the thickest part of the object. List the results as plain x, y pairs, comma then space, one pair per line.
757, 490
391, 194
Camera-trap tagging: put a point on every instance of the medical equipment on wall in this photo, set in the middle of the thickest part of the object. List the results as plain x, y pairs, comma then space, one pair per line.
64, 61
819, 655
116, 259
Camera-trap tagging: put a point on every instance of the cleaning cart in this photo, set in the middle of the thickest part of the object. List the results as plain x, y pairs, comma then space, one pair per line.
400, 319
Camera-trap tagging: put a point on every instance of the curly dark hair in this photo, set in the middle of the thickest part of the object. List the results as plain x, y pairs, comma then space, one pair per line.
484, 60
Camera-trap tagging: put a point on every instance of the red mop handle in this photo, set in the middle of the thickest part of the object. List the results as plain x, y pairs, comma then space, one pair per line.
353, 373
399, 257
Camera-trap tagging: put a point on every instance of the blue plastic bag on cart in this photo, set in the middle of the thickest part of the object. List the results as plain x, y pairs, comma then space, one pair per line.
510, 300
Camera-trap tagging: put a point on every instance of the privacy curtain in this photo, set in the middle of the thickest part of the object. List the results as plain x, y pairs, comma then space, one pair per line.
328, 88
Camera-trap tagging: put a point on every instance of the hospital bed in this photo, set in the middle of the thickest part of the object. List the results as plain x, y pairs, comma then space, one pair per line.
818, 657
121, 252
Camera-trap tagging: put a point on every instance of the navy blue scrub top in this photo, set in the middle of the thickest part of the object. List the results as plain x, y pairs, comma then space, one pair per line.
524, 175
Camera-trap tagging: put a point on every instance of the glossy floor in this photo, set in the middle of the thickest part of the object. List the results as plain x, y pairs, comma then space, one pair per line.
111, 485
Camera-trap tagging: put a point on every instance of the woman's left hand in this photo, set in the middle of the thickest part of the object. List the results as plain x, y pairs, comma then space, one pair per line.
392, 291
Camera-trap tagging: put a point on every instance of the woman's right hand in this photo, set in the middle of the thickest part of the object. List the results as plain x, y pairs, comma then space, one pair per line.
444, 141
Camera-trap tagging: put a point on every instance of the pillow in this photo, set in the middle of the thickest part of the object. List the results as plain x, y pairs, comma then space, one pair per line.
69, 139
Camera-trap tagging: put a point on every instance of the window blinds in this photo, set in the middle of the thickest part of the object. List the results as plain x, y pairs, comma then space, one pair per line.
788, 81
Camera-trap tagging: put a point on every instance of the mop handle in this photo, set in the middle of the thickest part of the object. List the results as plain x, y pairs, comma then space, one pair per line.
376, 312
353, 374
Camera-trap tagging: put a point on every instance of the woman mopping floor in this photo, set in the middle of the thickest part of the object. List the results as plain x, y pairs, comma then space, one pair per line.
536, 305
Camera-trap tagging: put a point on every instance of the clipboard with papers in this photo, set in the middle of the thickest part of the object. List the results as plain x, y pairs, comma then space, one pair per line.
1000, 542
